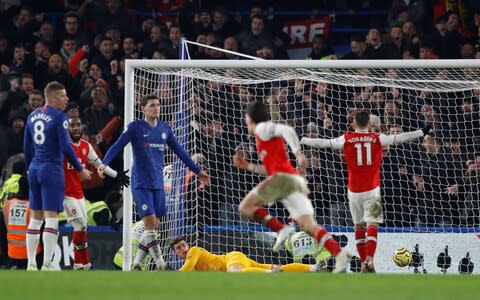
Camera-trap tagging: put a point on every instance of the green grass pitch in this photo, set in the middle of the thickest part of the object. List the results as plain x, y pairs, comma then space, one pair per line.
173, 285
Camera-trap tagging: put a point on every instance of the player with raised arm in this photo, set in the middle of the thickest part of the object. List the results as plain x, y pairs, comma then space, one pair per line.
363, 152
46, 140
282, 184
198, 259
74, 203
149, 137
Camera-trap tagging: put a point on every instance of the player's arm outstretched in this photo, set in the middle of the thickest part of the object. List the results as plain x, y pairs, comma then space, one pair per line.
180, 151
95, 161
191, 260
121, 142
240, 162
336, 143
403, 137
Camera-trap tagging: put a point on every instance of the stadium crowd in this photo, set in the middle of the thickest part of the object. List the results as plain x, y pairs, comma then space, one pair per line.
85, 47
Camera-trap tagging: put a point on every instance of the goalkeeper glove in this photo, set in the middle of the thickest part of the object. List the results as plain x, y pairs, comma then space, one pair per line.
428, 129
123, 178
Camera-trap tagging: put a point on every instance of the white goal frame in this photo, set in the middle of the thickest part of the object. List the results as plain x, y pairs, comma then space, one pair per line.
130, 66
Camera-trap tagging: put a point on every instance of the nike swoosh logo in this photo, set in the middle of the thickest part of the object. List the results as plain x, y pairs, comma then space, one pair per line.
145, 135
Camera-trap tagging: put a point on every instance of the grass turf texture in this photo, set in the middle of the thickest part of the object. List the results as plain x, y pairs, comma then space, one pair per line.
173, 285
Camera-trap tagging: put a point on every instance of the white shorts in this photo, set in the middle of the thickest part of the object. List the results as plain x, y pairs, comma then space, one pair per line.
290, 189
75, 209
366, 207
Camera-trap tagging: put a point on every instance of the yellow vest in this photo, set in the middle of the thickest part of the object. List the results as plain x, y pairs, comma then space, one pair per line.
93, 208
9, 187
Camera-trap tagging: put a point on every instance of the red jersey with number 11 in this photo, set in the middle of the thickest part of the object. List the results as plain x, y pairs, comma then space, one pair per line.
363, 153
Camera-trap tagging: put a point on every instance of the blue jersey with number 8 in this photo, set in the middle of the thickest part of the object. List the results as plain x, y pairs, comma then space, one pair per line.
46, 138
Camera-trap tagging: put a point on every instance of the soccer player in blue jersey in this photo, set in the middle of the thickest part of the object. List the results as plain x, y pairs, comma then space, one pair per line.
149, 138
46, 141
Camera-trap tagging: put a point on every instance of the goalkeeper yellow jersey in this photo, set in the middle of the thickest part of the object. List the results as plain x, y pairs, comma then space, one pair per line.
199, 259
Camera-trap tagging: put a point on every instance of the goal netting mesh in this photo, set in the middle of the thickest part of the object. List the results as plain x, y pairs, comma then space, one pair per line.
428, 185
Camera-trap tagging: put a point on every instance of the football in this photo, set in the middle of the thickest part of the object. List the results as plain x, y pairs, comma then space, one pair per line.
402, 257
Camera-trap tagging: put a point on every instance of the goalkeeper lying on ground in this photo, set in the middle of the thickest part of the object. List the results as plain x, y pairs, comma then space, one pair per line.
199, 259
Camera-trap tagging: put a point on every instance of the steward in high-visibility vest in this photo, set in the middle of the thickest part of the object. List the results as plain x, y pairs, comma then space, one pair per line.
10, 186
98, 213
16, 217
301, 245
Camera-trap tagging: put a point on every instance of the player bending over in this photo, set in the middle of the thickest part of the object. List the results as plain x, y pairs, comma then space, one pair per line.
149, 138
199, 259
282, 184
74, 203
363, 151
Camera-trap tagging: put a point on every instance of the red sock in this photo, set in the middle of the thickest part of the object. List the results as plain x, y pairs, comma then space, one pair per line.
372, 232
262, 216
361, 243
325, 239
80, 247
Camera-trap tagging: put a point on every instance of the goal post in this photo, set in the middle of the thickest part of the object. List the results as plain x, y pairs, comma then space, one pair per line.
427, 186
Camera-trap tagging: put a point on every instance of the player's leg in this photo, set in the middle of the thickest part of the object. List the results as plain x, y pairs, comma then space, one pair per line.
144, 200
252, 207
297, 267
355, 203
75, 211
36, 220
301, 210
373, 216
239, 262
155, 249
52, 189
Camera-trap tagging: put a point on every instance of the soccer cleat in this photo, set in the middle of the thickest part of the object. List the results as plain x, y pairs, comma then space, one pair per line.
84, 267
282, 235
342, 260
32, 268
368, 266
49, 268
136, 267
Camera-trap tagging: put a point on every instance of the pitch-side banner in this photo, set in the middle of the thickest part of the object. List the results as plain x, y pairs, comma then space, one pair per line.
301, 34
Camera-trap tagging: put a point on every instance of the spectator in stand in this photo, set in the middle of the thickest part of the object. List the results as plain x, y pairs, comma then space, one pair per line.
46, 33
395, 42
99, 113
256, 38
17, 95
231, 44
35, 100
222, 25
358, 48
411, 36
105, 55
41, 53
467, 51
68, 49
129, 48
453, 37
438, 36
55, 71
175, 35
375, 47
73, 29
320, 48
202, 24
157, 39
5, 50
105, 13
23, 27
113, 33
20, 63
16, 121
426, 52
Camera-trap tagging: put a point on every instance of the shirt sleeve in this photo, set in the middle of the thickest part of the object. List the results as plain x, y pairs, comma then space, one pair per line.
121, 142
95, 161
336, 143
64, 141
268, 130
387, 140
191, 260
181, 152
27, 146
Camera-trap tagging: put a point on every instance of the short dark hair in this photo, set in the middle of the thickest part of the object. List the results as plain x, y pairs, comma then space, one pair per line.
52, 87
176, 240
144, 100
362, 117
258, 111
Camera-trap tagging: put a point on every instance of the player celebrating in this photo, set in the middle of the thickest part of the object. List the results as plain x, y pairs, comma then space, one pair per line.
74, 203
149, 137
46, 141
363, 151
199, 259
283, 183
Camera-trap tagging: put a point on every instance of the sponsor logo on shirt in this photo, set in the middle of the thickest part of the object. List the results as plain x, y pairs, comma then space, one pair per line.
154, 145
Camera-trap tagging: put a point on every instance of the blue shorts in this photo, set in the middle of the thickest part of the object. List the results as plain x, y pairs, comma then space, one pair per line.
150, 202
47, 187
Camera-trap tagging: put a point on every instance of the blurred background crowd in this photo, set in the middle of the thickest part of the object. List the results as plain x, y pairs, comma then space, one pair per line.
84, 43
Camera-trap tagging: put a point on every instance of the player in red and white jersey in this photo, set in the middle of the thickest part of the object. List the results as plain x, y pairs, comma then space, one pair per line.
282, 184
363, 152
74, 202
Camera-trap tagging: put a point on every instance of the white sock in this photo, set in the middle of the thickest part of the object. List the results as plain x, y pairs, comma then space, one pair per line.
149, 240
33, 237
50, 235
